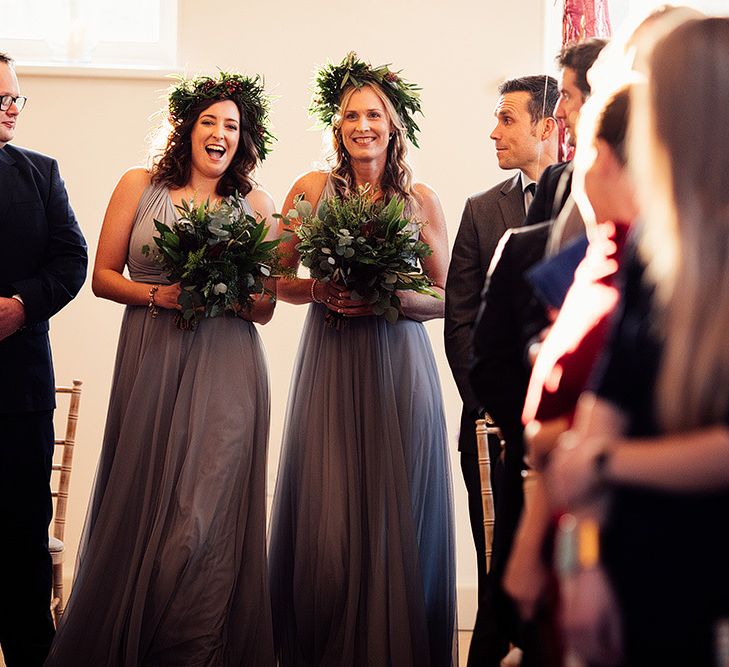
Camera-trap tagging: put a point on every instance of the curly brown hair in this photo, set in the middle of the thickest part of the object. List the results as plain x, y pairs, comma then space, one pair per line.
397, 180
174, 166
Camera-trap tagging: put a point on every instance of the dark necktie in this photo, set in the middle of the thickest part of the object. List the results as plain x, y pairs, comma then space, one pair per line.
529, 196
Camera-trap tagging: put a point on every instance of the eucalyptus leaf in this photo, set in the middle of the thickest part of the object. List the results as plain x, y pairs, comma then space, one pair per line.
219, 255
375, 241
303, 208
391, 315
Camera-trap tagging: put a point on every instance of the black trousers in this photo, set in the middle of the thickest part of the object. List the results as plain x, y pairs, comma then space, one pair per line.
26, 450
494, 627
497, 620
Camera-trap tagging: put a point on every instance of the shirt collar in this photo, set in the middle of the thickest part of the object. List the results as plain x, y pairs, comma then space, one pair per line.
525, 180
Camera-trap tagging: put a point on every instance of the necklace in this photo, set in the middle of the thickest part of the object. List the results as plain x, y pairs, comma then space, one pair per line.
188, 194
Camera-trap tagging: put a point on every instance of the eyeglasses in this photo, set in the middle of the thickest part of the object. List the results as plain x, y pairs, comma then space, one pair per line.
7, 100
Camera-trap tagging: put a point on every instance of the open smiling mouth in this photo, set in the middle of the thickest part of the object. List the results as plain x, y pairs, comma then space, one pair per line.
215, 152
363, 141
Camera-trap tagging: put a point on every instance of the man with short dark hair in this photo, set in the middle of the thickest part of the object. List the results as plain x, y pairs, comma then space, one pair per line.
42, 267
511, 316
525, 139
555, 185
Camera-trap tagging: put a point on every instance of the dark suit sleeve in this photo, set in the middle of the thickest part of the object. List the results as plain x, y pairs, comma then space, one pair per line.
498, 374
463, 289
541, 207
63, 269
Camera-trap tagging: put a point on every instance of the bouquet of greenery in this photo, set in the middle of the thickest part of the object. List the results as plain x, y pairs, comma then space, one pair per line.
364, 245
219, 256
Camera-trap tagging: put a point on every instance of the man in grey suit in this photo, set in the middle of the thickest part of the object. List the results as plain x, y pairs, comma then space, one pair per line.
525, 139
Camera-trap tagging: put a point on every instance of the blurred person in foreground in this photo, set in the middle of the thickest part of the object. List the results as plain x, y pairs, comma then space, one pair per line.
647, 459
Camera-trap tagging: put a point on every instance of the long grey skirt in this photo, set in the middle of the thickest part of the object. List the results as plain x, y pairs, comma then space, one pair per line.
172, 563
362, 568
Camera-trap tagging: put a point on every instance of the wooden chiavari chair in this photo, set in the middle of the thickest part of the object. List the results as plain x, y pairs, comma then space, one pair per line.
60, 480
484, 428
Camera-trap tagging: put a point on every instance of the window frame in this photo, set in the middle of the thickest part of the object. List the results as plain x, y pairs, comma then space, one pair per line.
62, 50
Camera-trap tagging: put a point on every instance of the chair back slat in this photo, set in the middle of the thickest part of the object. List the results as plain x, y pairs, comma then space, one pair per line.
64, 468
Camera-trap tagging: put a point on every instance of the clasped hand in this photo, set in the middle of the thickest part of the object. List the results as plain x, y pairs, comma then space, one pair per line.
167, 295
12, 316
338, 298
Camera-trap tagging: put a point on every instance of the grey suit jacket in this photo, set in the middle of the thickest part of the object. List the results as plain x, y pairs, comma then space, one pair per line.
486, 217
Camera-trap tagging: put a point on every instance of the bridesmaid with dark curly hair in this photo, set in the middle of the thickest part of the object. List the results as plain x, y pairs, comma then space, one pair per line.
172, 565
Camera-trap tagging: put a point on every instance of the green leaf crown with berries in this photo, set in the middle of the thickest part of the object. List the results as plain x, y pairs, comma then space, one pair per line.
247, 92
331, 81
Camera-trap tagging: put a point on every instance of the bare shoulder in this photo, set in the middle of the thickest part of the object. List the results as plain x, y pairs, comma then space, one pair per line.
429, 201
132, 183
120, 212
310, 184
426, 192
136, 177
261, 201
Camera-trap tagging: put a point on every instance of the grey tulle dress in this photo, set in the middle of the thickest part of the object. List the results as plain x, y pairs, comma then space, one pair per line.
361, 554
172, 567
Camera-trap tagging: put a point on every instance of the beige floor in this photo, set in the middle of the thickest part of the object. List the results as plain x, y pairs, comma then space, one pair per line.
464, 639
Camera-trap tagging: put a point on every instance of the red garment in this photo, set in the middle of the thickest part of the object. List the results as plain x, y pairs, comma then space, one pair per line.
569, 352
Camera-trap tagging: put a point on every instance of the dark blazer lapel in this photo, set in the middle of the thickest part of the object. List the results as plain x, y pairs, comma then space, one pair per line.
8, 180
511, 204
562, 189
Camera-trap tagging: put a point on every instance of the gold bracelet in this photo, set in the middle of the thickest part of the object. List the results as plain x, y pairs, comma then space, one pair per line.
588, 544
151, 305
313, 296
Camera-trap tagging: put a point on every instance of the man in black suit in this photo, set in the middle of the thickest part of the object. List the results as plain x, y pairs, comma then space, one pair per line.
526, 140
511, 317
42, 267
555, 185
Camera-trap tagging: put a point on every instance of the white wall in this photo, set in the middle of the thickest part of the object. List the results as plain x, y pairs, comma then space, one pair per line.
458, 51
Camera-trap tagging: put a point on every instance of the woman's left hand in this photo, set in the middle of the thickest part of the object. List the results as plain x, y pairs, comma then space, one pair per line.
572, 474
339, 299
260, 310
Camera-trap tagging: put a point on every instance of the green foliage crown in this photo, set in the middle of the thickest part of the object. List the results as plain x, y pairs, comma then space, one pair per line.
245, 91
331, 81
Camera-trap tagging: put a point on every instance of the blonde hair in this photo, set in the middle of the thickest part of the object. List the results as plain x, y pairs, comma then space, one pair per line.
659, 22
397, 181
682, 164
